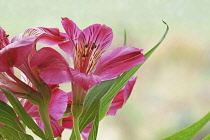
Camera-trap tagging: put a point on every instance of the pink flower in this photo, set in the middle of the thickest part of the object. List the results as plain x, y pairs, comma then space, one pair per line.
57, 108
117, 103
49, 36
18, 52
86, 49
13, 54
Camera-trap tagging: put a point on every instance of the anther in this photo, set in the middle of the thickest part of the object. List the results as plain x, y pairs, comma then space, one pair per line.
86, 45
93, 46
85, 55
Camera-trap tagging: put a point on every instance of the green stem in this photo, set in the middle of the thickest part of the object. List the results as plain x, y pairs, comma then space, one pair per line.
79, 95
44, 113
76, 128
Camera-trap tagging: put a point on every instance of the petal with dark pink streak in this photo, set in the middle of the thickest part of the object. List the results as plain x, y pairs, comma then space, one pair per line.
49, 36
117, 61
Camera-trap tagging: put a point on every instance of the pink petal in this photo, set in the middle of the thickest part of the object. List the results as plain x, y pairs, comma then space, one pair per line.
99, 34
67, 47
15, 53
70, 97
4, 41
7, 83
58, 104
117, 61
57, 129
72, 32
53, 67
68, 122
31, 109
50, 36
1, 124
86, 81
71, 29
92, 42
2, 97
85, 133
121, 98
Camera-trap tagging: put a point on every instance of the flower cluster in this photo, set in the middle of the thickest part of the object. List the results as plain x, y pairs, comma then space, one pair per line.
43, 70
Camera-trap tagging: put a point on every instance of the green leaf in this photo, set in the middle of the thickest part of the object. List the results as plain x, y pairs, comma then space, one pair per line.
189, 132
29, 122
8, 117
92, 102
94, 130
11, 134
207, 137
123, 79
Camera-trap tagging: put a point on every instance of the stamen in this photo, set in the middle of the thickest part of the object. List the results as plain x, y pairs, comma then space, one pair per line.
93, 46
85, 55
86, 45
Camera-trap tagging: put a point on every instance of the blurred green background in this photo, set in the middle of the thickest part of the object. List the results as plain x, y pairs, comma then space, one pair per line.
172, 90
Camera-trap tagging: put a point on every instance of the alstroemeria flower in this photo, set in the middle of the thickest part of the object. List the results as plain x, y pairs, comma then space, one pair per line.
13, 55
57, 108
18, 52
49, 36
117, 103
86, 49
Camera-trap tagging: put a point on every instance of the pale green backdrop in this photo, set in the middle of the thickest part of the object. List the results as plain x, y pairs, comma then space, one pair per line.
173, 87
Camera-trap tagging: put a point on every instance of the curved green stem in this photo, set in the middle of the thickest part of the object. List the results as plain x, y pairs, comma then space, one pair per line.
44, 113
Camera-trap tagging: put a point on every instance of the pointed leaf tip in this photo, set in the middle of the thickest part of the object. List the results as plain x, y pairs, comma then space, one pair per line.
165, 24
